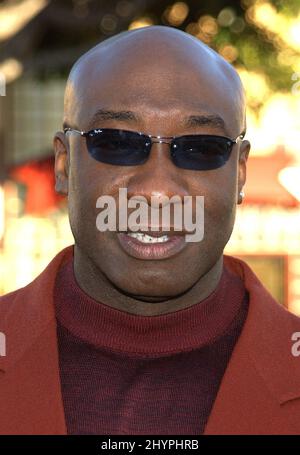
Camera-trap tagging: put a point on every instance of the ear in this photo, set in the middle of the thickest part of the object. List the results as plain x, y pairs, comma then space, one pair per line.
61, 150
242, 164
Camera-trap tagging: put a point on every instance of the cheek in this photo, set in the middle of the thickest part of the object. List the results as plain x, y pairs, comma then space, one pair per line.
220, 204
88, 180
219, 218
84, 189
219, 189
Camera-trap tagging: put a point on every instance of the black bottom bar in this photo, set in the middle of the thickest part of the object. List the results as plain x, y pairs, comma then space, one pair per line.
179, 445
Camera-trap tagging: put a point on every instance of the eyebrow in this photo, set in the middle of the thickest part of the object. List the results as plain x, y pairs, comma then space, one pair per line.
204, 120
212, 120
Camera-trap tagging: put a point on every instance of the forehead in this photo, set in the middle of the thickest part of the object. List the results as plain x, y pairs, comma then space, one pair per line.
157, 82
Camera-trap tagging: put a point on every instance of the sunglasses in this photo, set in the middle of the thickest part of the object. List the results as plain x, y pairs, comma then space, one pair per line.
201, 152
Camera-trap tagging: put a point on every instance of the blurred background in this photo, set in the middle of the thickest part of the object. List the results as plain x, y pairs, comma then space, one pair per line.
39, 42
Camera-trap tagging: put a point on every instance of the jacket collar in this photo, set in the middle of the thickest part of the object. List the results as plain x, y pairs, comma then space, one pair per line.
265, 339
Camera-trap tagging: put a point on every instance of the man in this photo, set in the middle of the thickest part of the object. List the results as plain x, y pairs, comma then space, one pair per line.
146, 333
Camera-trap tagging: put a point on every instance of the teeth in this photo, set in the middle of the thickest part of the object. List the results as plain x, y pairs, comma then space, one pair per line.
145, 238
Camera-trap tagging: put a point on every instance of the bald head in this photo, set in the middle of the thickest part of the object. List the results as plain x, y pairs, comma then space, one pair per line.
155, 66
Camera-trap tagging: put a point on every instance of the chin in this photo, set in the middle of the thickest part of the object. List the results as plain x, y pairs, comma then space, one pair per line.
152, 289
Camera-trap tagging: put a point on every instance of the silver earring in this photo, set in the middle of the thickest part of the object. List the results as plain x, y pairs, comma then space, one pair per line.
241, 196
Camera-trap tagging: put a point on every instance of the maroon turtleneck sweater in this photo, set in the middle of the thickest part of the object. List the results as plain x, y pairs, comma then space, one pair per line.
129, 374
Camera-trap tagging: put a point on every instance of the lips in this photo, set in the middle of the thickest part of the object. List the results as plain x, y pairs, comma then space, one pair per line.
151, 245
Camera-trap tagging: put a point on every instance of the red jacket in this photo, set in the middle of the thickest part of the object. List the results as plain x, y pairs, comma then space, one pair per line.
259, 393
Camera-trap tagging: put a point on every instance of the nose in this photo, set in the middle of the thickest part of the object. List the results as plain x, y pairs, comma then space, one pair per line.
158, 178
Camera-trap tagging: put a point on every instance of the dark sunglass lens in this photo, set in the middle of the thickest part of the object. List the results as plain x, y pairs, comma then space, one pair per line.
201, 152
122, 148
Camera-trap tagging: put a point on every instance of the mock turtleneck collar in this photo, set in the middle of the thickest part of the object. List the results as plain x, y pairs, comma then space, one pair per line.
103, 326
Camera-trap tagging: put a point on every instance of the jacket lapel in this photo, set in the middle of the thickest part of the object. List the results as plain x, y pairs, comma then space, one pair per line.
262, 377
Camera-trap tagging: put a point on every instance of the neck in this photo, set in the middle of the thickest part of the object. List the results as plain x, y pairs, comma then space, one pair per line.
95, 284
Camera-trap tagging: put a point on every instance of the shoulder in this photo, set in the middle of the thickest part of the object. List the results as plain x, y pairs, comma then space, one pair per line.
26, 313
37, 294
264, 310
270, 330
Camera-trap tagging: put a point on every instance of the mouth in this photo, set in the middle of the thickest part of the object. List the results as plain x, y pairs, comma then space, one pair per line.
151, 246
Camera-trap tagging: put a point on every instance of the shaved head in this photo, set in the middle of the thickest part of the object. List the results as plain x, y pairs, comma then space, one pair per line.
163, 53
